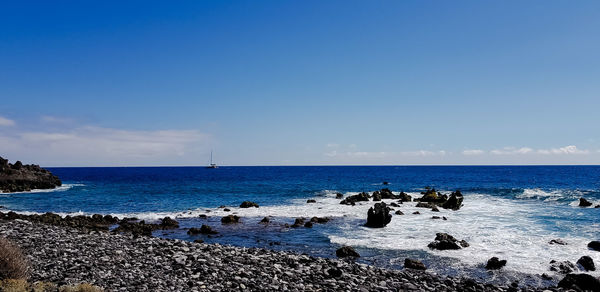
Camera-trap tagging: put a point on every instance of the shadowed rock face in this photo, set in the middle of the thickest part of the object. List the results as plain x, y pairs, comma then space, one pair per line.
18, 177
378, 216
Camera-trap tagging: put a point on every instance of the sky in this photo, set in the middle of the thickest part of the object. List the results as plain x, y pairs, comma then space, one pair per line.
144, 83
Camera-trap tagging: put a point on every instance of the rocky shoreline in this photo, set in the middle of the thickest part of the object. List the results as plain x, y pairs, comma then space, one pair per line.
124, 262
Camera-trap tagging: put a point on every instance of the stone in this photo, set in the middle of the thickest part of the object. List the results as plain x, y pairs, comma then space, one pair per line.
346, 251
230, 219
580, 282
308, 224
594, 245
18, 177
399, 212
584, 203
378, 216
495, 264
352, 200
414, 264
557, 241
454, 202
444, 241
404, 197
587, 263
563, 267
311, 201
265, 220
248, 204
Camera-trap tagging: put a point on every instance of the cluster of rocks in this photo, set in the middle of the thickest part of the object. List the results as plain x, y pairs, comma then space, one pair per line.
19, 177
585, 203
123, 262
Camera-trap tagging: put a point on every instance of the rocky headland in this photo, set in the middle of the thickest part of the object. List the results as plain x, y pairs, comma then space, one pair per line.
19, 177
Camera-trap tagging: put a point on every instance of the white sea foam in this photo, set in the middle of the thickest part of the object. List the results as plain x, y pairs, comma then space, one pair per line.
61, 188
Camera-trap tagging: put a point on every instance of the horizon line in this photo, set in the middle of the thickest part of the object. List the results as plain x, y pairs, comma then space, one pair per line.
324, 165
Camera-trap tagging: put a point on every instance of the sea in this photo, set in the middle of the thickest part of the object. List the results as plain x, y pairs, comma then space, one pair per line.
511, 212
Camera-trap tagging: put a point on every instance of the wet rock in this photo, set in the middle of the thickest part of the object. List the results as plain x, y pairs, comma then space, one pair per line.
394, 205
205, 229
584, 203
587, 263
424, 205
248, 204
557, 241
404, 197
399, 212
444, 241
387, 194
320, 220
311, 201
377, 196
226, 209
436, 217
435, 209
298, 222
594, 245
454, 202
431, 195
168, 223
414, 264
378, 216
385, 183
580, 282
339, 195
265, 220
351, 200
495, 264
346, 251
198, 241
334, 272
308, 224
229, 219
203, 216
416, 213
564, 267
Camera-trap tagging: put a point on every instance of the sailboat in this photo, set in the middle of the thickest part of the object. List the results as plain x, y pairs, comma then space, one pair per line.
212, 165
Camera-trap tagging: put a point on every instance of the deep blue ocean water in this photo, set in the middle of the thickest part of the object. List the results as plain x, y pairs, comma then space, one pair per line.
509, 211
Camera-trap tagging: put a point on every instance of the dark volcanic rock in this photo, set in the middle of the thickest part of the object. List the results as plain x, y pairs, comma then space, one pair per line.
495, 264
95, 222
583, 282
431, 195
334, 272
351, 200
444, 241
339, 195
557, 241
308, 224
378, 216
230, 219
320, 220
168, 223
404, 197
587, 263
311, 201
21, 178
454, 202
346, 251
265, 220
399, 212
414, 264
584, 203
387, 194
564, 267
205, 229
595, 245
298, 222
424, 205
377, 196
248, 204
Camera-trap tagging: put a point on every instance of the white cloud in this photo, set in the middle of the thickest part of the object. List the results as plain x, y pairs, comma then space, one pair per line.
571, 149
511, 151
333, 145
105, 146
473, 152
6, 122
383, 154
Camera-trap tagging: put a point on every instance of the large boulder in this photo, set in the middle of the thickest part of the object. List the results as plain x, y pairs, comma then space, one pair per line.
248, 204
444, 241
387, 194
378, 216
346, 251
454, 202
584, 203
205, 229
495, 264
414, 264
587, 263
431, 195
377, 196
404, 197
351, 200
594, 245
580, 282
20, 178
168, 223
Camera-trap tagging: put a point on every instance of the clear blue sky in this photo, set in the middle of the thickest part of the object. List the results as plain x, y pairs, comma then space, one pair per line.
300, 82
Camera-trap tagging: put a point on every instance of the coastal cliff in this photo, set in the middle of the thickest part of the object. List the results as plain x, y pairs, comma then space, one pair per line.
18, 177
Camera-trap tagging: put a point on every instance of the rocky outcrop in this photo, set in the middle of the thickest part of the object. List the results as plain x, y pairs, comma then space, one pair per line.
346, 251
584, 203
454, 202
248, 204
21, 178
557, 241
431, 195
265, 220
378, 216
444, 241
205, 229
95, 222
404, 197
414, 264
351, 200
594, 245
587, 263
580, 282
495, 264
311, 201
320, 220
298, 222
